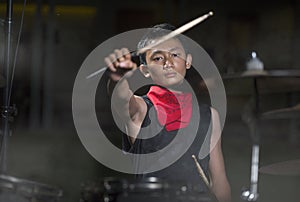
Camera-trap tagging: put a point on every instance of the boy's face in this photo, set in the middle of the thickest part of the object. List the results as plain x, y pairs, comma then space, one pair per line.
167, 63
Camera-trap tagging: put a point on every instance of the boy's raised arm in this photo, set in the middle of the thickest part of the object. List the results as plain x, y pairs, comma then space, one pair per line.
129, 107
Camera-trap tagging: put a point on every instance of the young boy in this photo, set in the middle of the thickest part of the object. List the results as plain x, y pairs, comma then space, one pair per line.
166, 64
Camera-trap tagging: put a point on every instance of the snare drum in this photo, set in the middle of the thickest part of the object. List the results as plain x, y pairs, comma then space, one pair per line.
149, 189
19, 190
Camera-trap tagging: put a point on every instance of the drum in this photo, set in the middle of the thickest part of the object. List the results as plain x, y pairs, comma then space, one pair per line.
19, 190
150, 189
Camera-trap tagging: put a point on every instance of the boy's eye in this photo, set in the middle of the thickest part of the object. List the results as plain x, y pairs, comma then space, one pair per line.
158, 58
175, 55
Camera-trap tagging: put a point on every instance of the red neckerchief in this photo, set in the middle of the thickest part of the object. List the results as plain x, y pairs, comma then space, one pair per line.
174, 110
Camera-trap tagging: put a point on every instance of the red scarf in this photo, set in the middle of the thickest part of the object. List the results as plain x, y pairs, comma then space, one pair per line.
174, 110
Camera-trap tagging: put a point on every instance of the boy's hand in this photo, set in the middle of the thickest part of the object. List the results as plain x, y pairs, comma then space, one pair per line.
119, 62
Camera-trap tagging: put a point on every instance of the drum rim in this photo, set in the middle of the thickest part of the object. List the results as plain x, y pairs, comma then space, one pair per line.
116, 184
122, 186
144, 179
37, 188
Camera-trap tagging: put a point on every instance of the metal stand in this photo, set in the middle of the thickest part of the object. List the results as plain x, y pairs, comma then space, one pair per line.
252, 114
14, 188
7, 110
252, 193
250, 117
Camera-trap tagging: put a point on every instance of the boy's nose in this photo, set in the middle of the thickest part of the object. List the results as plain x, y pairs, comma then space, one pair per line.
168, 63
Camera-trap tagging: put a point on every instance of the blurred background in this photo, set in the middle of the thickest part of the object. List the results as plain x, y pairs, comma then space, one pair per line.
57, 36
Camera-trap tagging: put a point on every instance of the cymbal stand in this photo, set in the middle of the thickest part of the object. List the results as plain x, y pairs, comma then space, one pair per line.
250, 116
8, 112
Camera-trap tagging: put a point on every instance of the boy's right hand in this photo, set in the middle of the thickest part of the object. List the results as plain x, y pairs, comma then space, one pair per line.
119, 63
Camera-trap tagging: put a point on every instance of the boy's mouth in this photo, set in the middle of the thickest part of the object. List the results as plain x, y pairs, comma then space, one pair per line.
170, 74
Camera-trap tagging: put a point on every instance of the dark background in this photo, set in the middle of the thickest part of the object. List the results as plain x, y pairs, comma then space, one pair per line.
58, 35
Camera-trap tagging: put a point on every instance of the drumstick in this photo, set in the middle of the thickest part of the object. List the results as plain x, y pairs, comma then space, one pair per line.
172, 34
176, 32
204, 178
200, 171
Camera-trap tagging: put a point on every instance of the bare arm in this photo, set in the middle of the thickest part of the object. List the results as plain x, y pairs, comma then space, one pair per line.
219, 182
129, 107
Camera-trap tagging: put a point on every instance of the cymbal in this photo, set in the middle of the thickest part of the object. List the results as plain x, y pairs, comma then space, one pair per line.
285, 113
265, 85
263, 73
288, 168
268, 81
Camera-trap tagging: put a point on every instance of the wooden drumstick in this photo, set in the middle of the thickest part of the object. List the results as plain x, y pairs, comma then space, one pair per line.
176, 32
204, 178
200, 171
172, 34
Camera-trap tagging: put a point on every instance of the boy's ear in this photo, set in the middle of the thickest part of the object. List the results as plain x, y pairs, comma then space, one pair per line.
188, 62
144, 70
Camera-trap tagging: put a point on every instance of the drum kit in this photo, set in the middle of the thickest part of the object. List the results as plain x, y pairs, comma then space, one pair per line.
267, 82
145, 189
149, 189
264, 82
14, 189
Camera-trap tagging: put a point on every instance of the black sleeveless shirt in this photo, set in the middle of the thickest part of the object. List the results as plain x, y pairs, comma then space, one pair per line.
170, 150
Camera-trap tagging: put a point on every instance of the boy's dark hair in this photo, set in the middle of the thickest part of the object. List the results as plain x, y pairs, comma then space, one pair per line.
154, 33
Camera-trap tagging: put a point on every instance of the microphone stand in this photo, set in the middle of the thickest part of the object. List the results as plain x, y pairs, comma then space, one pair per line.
7, 112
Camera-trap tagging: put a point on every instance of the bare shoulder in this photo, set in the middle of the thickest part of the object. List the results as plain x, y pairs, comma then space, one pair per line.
214, 114
216, 132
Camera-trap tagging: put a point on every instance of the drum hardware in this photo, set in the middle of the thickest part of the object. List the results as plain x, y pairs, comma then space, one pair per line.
255, 70
147, 189
276, 73
9, 113
267, 81
251, 194
250, 118
14, 189
21, 190
287, 168
285, 113
274, 81
7, 75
